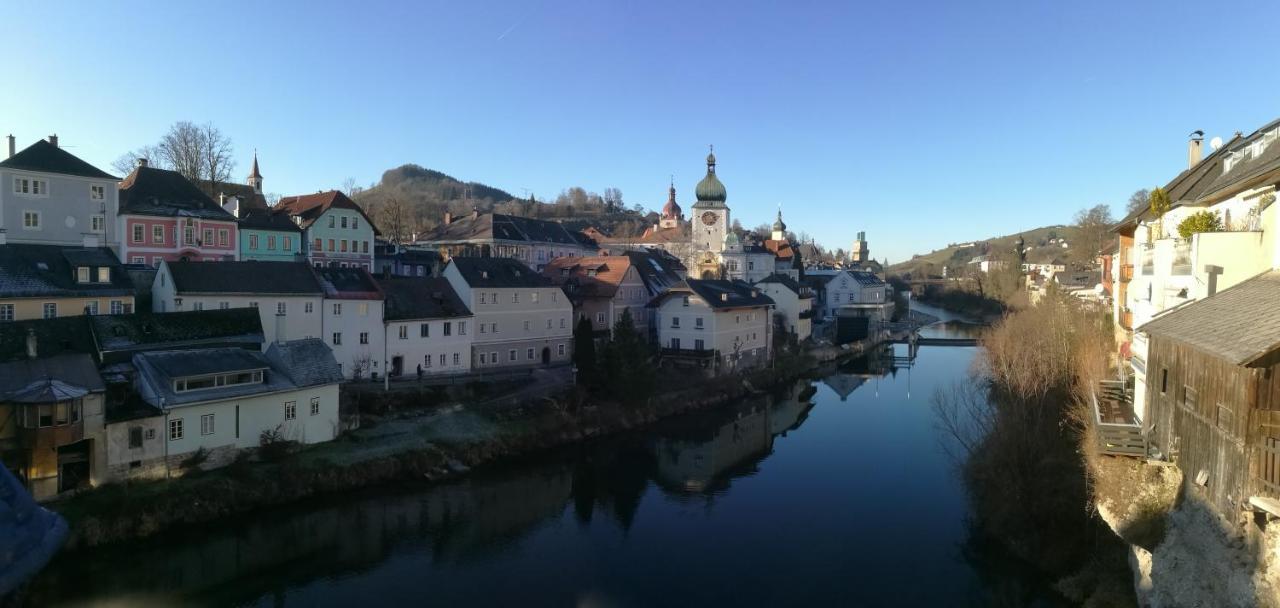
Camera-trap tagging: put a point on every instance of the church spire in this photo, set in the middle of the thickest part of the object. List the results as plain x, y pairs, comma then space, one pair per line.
255, 176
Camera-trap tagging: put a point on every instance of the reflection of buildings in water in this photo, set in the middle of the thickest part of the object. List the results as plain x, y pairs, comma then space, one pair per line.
844, 384
280, 550
704, 459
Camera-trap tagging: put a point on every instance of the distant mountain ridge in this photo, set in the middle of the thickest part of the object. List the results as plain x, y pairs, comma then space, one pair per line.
1040, 249
417, 177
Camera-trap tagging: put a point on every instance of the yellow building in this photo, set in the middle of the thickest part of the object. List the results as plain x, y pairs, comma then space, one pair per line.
48, 281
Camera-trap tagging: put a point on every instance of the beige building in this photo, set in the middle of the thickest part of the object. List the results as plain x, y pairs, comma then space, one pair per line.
521, 318
722, 326
601, 288
793, 301
49, 281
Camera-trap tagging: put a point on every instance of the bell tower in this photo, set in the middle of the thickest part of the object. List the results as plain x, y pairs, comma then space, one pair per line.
710, 217
255, 176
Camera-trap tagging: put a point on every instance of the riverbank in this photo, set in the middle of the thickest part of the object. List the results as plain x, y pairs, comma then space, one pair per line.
411, 442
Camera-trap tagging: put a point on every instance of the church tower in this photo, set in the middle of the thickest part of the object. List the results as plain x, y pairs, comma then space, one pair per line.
710, 213
859, 253
671, 213
779, 228
255, 176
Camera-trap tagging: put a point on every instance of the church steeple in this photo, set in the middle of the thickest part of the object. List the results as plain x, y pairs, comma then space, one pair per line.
255, 176
779, 227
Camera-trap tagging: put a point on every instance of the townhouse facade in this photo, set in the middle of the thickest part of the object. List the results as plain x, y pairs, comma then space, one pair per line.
426, 327
336, 232
165, 217
352, 319
286, 295
522, 319
793, 303
49, 281
721, 326
268, 237
601, 288
48, 196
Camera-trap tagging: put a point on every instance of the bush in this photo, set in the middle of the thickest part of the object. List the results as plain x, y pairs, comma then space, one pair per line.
1203, 221
273, 444
196, 459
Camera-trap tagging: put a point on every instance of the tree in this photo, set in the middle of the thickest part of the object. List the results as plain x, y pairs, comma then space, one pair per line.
628, 367
1091, 225
1202, 221
584, 351
129, 160
201, 153
1159, 205
393, 219
613, 199
350, 188
1139, 200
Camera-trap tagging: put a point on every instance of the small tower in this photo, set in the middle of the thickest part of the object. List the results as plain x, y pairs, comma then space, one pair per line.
672, 215
860, 253
779, 227
255, 176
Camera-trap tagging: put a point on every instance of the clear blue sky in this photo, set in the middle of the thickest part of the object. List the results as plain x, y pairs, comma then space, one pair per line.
918, 122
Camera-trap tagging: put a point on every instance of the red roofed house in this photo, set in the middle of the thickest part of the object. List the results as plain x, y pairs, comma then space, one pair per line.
336, 232
601, 288
165, 217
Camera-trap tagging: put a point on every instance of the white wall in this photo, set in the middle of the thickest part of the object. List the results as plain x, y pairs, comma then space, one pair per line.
525, 318
416, 349
356, 317
257, 413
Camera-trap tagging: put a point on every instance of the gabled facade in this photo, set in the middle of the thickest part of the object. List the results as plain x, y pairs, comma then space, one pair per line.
165, 217
47, 281
521, 318
352, 314
856, 292
793, 301
426, 327
723, 326
336, 231
401, 261
601, 288
50, 197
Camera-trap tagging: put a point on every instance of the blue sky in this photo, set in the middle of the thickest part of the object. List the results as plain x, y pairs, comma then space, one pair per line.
921, 123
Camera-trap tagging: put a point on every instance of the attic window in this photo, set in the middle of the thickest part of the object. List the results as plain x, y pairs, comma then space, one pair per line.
82, 274
484, 274
724, 297
42, 266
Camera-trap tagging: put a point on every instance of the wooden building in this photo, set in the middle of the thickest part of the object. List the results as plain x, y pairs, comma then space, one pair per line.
1213, 397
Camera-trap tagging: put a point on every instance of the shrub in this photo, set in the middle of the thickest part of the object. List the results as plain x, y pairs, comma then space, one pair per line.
1203, 221
196, 459
273, 444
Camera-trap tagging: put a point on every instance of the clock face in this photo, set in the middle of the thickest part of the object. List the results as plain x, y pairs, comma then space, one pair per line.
709, 218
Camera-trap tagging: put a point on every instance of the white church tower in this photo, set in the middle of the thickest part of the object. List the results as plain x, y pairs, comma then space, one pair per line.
710, 215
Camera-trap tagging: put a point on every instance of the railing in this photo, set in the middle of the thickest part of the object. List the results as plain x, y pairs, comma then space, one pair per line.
1181, 258
1117, 438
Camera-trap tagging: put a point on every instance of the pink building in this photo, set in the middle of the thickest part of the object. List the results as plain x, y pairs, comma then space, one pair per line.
163, 216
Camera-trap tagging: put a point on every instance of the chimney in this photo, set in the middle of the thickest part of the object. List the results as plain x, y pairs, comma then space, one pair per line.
142, 162
31, 343
280, 329
1194, 148
12, 147
448, 217
53, 139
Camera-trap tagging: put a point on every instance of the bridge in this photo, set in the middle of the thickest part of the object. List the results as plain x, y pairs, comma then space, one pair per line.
922, 341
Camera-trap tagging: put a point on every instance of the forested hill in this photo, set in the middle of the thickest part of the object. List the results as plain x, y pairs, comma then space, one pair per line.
1044, 244
413, 199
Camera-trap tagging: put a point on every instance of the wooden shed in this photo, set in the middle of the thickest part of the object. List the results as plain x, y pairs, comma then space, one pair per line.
1214, 392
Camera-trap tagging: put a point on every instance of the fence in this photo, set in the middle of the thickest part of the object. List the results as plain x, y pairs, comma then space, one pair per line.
1117, 438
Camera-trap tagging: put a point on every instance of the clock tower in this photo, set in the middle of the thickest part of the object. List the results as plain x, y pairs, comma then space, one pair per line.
710, 216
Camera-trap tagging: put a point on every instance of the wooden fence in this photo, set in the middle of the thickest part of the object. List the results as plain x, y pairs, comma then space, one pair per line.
1117, 438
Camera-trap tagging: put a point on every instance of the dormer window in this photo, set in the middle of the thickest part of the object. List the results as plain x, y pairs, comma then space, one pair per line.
82, 274
196, 383
104, 274
484, 274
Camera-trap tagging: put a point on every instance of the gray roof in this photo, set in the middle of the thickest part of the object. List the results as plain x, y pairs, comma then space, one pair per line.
118, 336
182, 363
498, 272
31, 271
45, 157
788, 282
496, 226
409, 298
1240, 324
247, 277
307, 362
164, 193
158, 369
721, 294
73, 369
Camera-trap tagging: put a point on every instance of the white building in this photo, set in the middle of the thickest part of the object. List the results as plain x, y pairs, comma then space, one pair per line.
285, 293
352, 320
793, 301
849, 290
521, 318
722, 325
426, 327
50, 197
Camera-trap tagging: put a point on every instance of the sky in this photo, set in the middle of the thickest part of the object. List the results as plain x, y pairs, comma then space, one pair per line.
921, 123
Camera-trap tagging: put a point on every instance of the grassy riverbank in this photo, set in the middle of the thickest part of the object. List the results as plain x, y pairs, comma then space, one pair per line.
412, 441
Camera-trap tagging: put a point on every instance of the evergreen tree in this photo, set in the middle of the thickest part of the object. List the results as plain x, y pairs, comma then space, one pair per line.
584, 352
628, 366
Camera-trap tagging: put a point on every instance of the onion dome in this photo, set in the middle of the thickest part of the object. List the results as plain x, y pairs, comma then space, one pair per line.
778, 225
731, 240
671, 210
710, 190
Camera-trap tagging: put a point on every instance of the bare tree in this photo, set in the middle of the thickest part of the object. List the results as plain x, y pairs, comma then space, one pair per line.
182, 149
613, 199
129, 160
1091, 225
350, 188
394, 220
1139, 200
215, 155
201, 153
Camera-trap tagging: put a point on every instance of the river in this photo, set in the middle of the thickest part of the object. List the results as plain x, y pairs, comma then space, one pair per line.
838, 491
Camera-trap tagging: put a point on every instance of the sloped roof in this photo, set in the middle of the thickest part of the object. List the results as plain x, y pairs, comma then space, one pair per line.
158, 369
264, 219
117, 333
307, 362
180, 363
782, 249
29, 271
348, 283
76, 370
53, 337
721, 294
249, 198
45, 157
1249, 168
164, 193
246, 277
496, 226
594, 276
657, 268
1240, 324
409, 298
497, 272
788, 282
310, 207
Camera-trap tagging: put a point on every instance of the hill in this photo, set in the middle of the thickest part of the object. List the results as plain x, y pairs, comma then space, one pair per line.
1040, 249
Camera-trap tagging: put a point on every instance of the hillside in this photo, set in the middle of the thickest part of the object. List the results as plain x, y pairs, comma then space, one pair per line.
1039, 250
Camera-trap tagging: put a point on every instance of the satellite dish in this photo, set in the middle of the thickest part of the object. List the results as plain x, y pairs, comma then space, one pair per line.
1215, 143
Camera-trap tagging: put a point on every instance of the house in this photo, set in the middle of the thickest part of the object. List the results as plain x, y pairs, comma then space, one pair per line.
352, 320
787, 259
336, 230
793, 301
746, 261
531, 241
51, 415
222, 400
426, 327
1214, 397
165, 217
601, 288
721, 326
401, 261
287, 295
522, 319
48, 196
1046, 268
47, 281
857, 292
268, 237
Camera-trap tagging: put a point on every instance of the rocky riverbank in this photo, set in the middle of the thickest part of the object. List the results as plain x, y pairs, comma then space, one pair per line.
409, 443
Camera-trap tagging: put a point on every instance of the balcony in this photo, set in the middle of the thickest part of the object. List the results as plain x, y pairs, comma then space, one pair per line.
1126, 319
1126, 273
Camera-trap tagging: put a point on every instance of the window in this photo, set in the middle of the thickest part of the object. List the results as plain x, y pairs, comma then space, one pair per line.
330, 243
363, 309
315, 406
526, 326
6, 312
318, 245
175, 429
195, 383
139, 259
548, 323
157, 234
675, 343
600, 318
493, 328
456, 359
684, 301
493, 297
697, 345
97, 223
533, 297
515, 297
366, 247
135, 437
253, 304
224, 305
462, 328
91, 308
1164, 380
355, 222
337, 338
342, 245
82, 274
206, 424
482, 298
332, 219
404, 332
137, 233
224, 237
97, 193
483, 359
290, 410
207, 237
482, 328
426, 361
493, 357
31, 220
511, 355
31, 187
563, 322
528, 354
253, 241
337, 309
308, 307
1189, 398
189, 232
271, 243
424, 330
364, 337
697, 322
448, 328
286, 243
50, 310
117, 307
281, 307
675, 322
560, 350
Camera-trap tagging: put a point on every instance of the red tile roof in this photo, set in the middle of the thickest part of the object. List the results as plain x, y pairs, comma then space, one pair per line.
311, 206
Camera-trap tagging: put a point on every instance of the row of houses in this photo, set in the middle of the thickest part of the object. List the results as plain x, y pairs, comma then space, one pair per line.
1198, 324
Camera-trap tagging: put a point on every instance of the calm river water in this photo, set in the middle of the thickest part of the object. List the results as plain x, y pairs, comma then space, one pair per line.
835, 492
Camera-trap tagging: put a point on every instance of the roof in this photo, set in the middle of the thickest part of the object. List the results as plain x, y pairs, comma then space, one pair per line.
199, 362
348, 283
497, 272
158, 369
1248, 166
28, 271
782, 249
51, 376
309, 207
249, 197
53, 337
306, 362
1079, 279
721, 294
264, 219
45, 157
496, 226
123, 333
657, 268
593, 276
1240, 324
789, 283
245, 277
164, 193
409, 298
